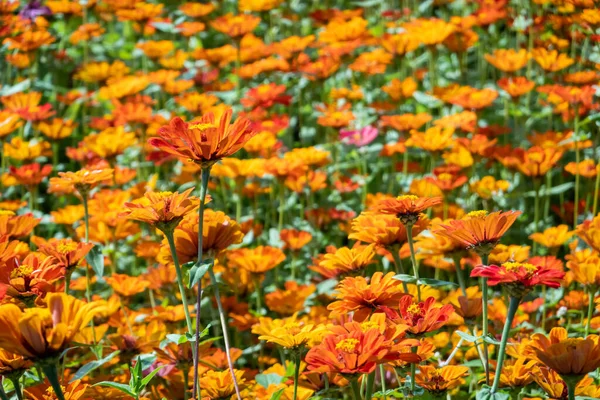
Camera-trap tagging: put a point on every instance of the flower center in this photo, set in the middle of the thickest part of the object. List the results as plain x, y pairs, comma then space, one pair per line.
347, 345
414, 309
22, 271
66, 247
6, 212
515, 266
365, 326
408, 197
477, 214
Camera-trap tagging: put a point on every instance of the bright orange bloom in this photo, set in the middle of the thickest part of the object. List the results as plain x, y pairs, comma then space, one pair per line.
257, 260
21, 150
290, 333
43, 333
536, 161
289, 300
552, 237
555, 386
407, 207
30, 174
16, 226
57, 129
568, 357
508, 60
586, 168
295, 239
126, 285
266, 96
584, 268
335, 116
517, 86
356, 352
422, 317
161, 209
551, 61
429, 31
206, 140
383, 229
29, 40
440, 380
479, 230
196, 10
406, 122
488, 186
66, 251
516, 373
363, 298
11, 123
81, 181
346, 261
235, 25
433, 139
474, 99
400, 90
219, 384
589, 231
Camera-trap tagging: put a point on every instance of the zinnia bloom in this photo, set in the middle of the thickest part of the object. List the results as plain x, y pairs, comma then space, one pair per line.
206, 140
424, 316
257, 260
440, 380
43, 333
363, 298
407, 207
290, 333
569, 357
81, 181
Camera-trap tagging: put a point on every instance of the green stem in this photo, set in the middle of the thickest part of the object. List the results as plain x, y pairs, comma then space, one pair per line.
355, 389
3, 395
595, 194
590, 311
382, 376
413, 372
222, 317
186, 384
18, 390
51, 372
571, 388
411, 247
86, 218
398, 264
370, 385
203, 191
577, 159
459, 274
296, 375
256, 281
188, 319
281, 200
484, 327
67, 281
512, 310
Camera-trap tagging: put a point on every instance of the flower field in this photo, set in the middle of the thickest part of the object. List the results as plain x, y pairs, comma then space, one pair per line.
291, 200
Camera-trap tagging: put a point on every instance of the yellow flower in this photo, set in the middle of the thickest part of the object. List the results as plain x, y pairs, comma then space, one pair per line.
552, 237
290, 333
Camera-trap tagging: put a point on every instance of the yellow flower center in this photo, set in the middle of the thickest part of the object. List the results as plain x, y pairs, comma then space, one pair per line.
21, 271
164, 194
410, 197
414, 309
365, 326
445, 177
202, 127
6, 212
66, 247
514, 267
477, 214
347, 345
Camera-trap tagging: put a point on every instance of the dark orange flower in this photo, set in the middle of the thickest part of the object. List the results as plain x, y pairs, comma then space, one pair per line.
81, 181
346, 261
206, 140
439, 380
161, 209
508, 60
407, 207
519, 278
67, 251
266, 96
235, 25
295, 239
16, 226
364, 297
479, 230
517, 86
258, 260
422, 317
126, 285
30, 174
383, 229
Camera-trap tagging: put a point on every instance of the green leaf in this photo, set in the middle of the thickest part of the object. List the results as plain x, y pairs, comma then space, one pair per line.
120, 386
96, 260
552, 192
149, 377
467, 337
177, 338
435, 282
277, 394
197, 272
89, 367
265, 380
491, 340
19, 87
191, 337
405, 278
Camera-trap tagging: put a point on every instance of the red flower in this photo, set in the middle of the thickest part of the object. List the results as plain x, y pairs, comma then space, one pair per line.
423, 317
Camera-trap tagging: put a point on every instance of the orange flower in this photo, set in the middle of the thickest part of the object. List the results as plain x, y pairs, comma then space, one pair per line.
517, 86
335, 116
21, 150
479, 230
429, 32
508, 60
235, 25
29, 40
432, 140
537, 161
346, 261
422, 317
161, 209
81, 181
568, 357
586, 168
44, 333
219, 384
57, 129
440, 380
551, 61
258, 260
295, 239
400, 90
126, 285
291, 299
474, 99
30, 174
67, 251
356, 352
219, 232
205, 141
11, 122
555, 386
584, 267
407, 207
488, 186
553, 236
16, 226
383, 229
589, 231
266, 96
362, 298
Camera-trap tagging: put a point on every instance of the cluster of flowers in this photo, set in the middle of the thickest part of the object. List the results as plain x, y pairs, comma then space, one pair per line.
339, 237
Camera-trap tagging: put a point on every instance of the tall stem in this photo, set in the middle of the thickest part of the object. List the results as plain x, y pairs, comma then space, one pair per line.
370, 385
459, 274
203, 191
536, 211
382, 376
411, 247
86, 217
398, 264
595, 194
297, 360
590, 311
281, 200
51, 372
484, 327
18, 390
512, 310
222, 317
355, 389
3, 395
577, 158
184, 301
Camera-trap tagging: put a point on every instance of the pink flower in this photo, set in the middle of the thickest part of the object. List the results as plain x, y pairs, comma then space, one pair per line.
359, 137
